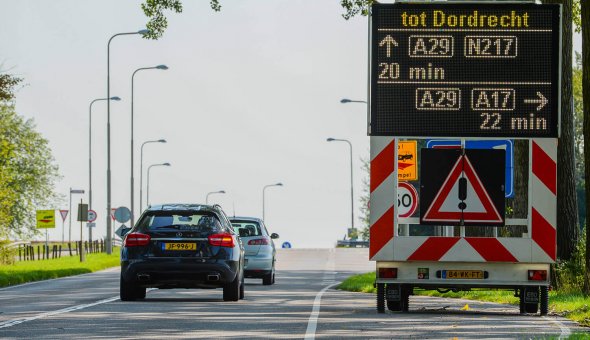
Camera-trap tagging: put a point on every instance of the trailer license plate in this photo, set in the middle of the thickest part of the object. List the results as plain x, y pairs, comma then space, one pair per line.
179, 246
463, 274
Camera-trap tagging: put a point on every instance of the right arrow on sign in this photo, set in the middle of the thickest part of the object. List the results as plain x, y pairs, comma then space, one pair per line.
462, 197
541, 101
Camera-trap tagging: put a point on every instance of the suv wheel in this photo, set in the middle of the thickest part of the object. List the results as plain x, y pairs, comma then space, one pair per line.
140, 293
128, 291
231, 291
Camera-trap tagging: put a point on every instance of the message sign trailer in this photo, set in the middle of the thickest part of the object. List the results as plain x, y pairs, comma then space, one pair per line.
447, 261
463, 71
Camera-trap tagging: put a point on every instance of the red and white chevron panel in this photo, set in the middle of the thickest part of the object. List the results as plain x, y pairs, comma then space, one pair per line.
382, 202
539, 247
543, 198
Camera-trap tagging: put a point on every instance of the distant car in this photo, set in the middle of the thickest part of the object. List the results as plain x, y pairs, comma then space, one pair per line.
182, 246
259, 246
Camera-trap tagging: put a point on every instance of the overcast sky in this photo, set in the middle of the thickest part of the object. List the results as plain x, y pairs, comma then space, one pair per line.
251, 95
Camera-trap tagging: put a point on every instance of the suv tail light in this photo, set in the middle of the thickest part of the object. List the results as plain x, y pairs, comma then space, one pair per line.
136, 239
537, 275
222, 240
259, 242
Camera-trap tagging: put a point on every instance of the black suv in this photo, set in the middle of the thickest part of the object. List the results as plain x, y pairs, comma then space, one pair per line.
182, 246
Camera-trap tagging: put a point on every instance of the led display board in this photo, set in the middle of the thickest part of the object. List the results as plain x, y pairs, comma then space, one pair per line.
465, 70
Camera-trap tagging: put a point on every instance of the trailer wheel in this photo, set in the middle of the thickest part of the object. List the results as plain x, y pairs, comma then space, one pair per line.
381, 298
521, 299
394, 297
529, 294
405, 298
544, 300
394, 306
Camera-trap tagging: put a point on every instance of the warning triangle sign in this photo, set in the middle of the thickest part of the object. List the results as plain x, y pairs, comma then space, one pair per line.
463, 197
64, 214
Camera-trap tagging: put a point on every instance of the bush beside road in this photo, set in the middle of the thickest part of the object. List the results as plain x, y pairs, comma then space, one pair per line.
573, 306
23, 272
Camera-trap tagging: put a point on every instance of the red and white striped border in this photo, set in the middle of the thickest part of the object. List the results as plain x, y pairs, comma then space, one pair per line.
543, 196
383, 180
540, 248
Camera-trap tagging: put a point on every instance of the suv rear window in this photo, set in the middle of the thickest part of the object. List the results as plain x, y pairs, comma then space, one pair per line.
253, 227
180, 220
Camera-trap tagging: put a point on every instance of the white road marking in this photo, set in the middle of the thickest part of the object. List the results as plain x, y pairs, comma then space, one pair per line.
15, 322
329, 280
565, 331
312, 323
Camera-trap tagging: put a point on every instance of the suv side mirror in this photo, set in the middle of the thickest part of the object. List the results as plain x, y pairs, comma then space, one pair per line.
274, 236
244, 232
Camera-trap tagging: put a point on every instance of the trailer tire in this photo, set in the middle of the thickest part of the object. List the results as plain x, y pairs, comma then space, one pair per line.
521, 299
405, 298
531, 307
544, 298
394, 306
380, 297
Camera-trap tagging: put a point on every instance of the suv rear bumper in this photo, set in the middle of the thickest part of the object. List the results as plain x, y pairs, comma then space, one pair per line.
179, 273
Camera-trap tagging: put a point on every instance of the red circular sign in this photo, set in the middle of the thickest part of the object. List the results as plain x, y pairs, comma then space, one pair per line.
91, 215
407, 199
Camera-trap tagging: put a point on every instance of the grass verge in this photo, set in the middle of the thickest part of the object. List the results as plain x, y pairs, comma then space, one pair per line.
22, 272
573, 306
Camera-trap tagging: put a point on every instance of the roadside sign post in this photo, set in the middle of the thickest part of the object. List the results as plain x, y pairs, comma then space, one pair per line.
64, 214
72, 191
46, 220
91, 218
82, 217
122, 215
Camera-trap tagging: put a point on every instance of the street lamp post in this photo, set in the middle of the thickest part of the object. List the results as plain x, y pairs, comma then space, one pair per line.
72, 191
141, 171
109, 244
90, 156
346, 100
211, 193
159, 67
351, 179
147, 199
263, 197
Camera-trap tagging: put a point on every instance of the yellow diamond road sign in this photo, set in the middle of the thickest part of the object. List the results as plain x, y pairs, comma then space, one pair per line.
407, 162
45, 219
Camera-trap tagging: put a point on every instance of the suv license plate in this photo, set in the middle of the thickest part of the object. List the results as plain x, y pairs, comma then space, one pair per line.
463, 274
179, 246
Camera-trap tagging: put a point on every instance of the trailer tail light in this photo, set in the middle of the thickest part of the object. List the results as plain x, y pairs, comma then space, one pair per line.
259, 242
387, 273
222, 240
537, 275
136, 240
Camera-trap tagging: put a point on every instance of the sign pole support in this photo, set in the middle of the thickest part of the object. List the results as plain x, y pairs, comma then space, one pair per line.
82, 255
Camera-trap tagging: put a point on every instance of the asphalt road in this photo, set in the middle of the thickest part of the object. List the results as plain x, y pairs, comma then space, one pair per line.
302, 304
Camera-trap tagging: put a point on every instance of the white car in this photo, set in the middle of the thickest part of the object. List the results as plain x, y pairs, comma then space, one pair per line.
259, 248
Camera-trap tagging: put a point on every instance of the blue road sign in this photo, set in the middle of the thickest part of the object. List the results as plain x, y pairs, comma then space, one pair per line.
286, 245
506, 144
